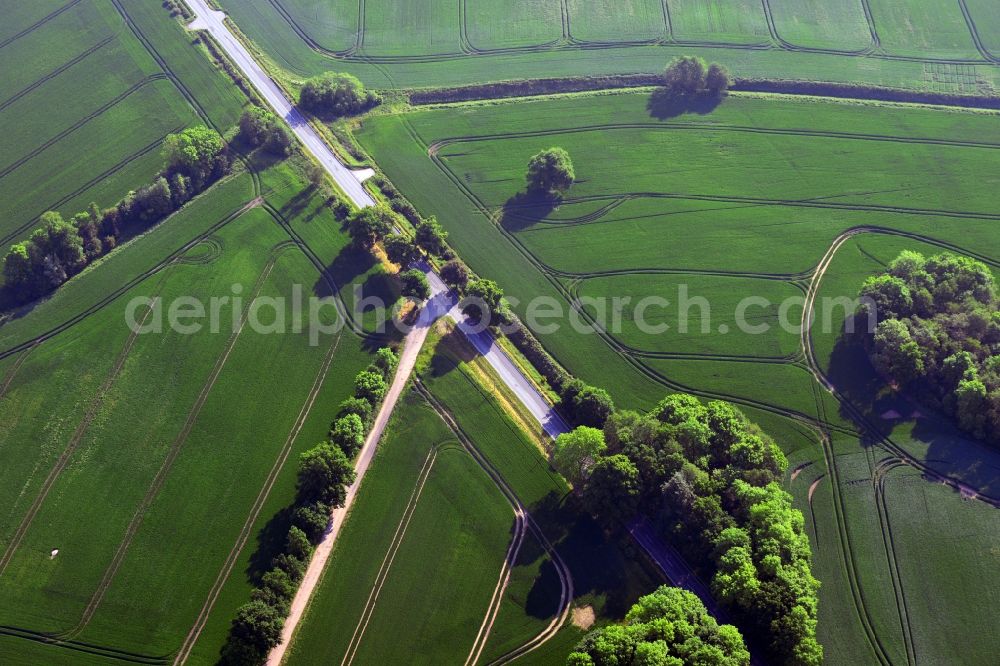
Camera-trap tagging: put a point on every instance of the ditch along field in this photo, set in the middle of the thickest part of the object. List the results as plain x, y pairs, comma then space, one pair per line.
771, 197
458, 489
90, 89
916, 44
125, 450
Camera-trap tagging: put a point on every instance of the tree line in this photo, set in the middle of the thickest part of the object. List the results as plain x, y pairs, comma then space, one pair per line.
710, 481
938, 335
324, 474
59, 249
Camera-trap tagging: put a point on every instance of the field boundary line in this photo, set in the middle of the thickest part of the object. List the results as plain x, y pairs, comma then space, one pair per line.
172, 454
94, 406
193, 635
390, 556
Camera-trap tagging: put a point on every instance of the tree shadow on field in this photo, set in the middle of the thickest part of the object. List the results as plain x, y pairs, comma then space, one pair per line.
298, 204
270, 543
525, 209
378, 288
663, 103
904, 418
602, 564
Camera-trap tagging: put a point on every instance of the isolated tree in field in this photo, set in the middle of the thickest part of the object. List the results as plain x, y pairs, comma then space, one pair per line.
685, 76
370, 386
431, 237
550, 172
455, 274
324, 474
348, 432
716, 80
400, 250
576, 452
484, 298
336, 94
415, 284
369, 225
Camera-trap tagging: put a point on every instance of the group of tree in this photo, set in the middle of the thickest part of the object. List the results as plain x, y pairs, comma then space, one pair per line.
324, 474
710, 481
691, 76
58, 249
335, 94
260, 128
669, 627
550, 173
585, 405
938, 335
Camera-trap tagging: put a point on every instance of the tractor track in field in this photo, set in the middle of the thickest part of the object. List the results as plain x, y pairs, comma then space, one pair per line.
436, 147
86, 648
974, 31
142, 152
12, 372
38, 24
881, 470
331, 283
390, 555
89, 414
56, 72
868, 50
172, 454
900, 457
134, 88
466, 49
192, 637
562, 570
114, 295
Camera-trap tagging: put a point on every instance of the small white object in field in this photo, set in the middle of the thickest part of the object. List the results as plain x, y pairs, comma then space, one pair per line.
55, 551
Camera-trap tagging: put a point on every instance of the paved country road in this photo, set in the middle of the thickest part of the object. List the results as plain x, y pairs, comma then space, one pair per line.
440, 304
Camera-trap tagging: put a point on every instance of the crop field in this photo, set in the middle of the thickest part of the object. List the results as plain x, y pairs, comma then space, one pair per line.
424, 43
727, 22
427, 537
839, 25
743, 201
99, 74
439, 510
170, 409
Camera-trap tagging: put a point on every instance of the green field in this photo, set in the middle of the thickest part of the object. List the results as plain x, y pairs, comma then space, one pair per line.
917, 44
171, 410
742, 201
437, 512
89, 92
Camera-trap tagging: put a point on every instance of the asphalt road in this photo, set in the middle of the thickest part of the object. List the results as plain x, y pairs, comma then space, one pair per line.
441, 303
